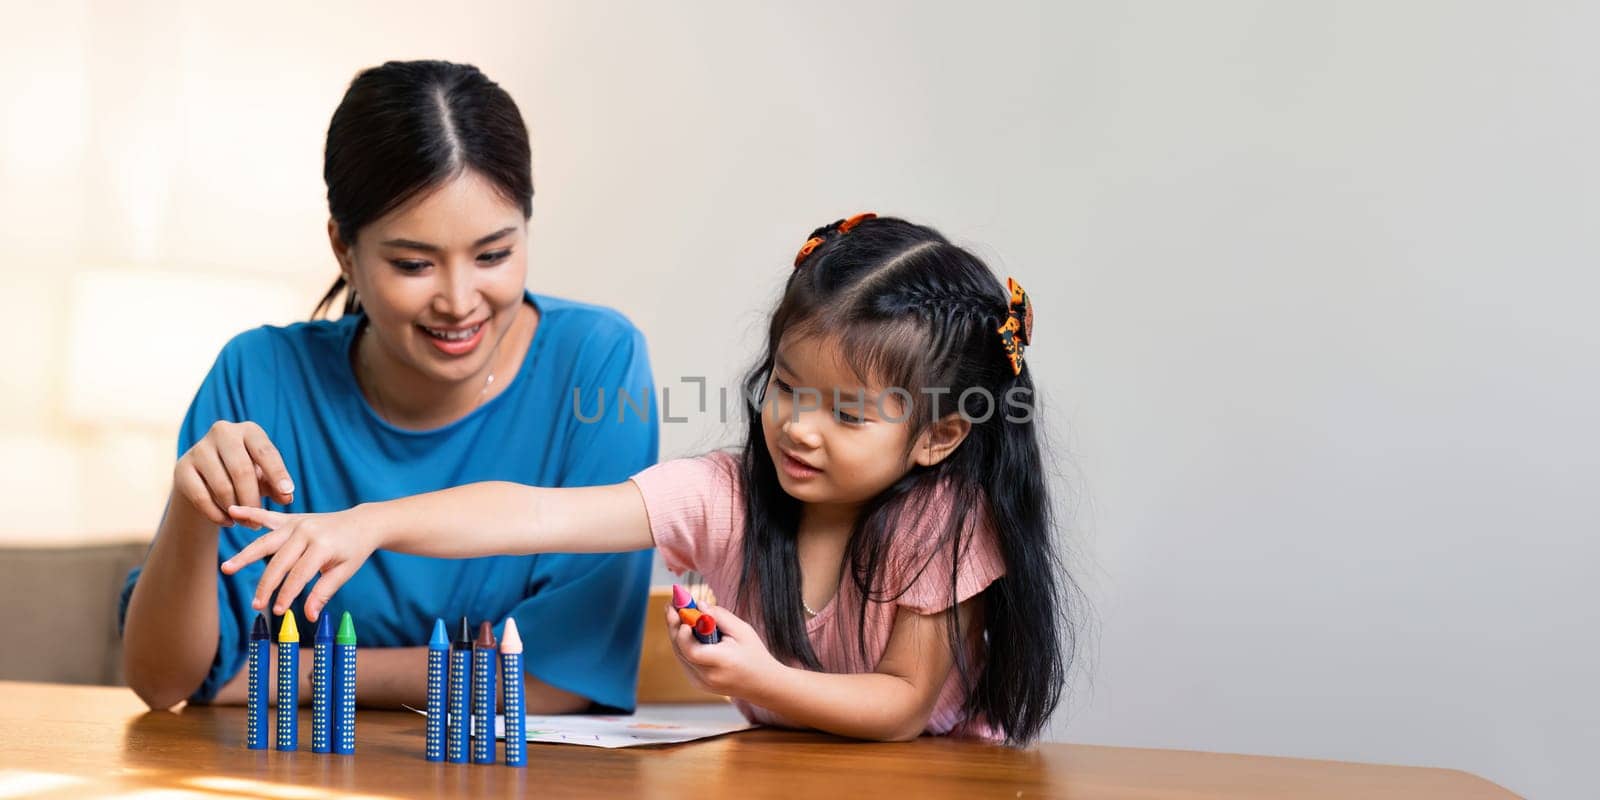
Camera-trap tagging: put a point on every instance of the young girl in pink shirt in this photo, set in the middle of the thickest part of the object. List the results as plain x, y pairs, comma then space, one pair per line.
882, 543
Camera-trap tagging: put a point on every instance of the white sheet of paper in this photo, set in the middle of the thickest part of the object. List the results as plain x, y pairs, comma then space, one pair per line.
610, 731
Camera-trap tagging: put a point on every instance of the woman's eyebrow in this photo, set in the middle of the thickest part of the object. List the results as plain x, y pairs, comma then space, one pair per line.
412, 244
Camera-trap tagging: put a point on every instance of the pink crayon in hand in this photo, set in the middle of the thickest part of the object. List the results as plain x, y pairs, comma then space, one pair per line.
681, 598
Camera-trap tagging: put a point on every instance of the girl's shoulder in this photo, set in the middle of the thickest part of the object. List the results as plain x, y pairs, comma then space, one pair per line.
945, 550
707, 476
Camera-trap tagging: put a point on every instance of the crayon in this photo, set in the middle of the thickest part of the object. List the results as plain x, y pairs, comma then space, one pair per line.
438, 650
483, 692
705, 630
455, 725
511, 691
689, 616
255, 724
681, 598
321, 691
344, 687
288, 684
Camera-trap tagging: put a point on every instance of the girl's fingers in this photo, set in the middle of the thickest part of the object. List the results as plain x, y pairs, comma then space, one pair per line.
731, 625
698, 656
241, 473
281, 561
274, 475
676, 631
305, 568
259, 517
326, 586
189, 487
265, 545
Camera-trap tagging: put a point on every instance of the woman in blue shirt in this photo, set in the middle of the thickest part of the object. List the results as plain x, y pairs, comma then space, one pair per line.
443, 370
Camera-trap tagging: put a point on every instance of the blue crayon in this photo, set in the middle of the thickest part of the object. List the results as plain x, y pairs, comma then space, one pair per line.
344, 687
321, 691
255, 716
288, 684
438, 650
511, 691
483, 691
455, 726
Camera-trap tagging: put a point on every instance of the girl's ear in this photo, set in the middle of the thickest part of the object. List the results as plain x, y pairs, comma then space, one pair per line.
941, 439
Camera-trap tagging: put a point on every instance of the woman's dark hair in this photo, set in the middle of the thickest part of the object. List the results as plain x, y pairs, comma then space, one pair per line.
408, 126
914, 311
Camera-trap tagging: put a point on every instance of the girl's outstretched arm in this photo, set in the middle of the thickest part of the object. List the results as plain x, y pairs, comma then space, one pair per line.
479, 519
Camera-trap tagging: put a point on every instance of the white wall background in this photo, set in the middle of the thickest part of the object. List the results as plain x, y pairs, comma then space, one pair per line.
1315, 285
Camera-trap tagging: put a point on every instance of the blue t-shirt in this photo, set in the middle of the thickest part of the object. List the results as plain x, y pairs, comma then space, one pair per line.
580, 615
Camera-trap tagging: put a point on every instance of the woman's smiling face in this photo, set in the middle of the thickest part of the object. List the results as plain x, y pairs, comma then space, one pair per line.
441, 278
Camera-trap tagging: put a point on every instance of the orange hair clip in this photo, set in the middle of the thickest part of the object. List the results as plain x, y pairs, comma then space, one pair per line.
805, 249
843, 227
1017, 332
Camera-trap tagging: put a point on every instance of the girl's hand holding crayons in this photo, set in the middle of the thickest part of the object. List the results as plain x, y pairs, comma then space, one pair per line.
334, 545
736, 665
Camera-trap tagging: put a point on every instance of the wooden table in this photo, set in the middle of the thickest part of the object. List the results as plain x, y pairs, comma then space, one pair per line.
79, 741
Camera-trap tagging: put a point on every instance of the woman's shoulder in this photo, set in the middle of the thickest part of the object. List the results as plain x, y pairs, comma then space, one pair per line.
566, 317
268, 340
268, 354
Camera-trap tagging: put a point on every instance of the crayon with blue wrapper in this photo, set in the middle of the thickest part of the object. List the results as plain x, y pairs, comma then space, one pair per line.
438, 653
511, 692
321, 688
255, 730
288, 733
343, 729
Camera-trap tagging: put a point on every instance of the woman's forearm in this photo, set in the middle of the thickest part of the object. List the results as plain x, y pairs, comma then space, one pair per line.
867, 705
170, 632
389, 677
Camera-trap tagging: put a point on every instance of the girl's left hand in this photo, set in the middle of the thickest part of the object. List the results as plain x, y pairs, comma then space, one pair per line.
735, 666
304, 546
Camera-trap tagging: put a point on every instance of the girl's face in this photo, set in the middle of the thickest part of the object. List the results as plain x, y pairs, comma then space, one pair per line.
440, 278
834, 441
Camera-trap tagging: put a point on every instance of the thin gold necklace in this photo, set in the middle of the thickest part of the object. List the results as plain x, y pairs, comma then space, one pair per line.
377, 396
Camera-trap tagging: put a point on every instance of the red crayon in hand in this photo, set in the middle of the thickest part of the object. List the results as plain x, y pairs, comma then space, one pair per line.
705, 630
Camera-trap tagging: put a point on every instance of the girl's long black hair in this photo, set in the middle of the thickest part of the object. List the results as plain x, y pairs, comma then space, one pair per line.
911, 310
408, 126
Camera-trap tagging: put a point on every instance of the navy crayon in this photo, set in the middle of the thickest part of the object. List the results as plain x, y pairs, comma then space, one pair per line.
255, 724
344, 687
483, 692
321, 691
705, 630
511, 692
288, 684
455, 726
438, 651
